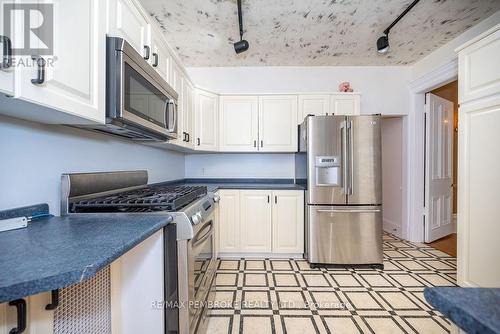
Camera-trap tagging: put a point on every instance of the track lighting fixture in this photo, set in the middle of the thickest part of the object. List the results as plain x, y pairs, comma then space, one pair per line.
383, 41
242, 45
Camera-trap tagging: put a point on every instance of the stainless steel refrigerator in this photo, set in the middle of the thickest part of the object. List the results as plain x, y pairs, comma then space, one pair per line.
342, 155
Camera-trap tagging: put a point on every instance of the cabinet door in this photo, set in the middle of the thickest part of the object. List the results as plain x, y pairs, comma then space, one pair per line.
288, 221
255, 220
479, 69
160, 57
188, 113
75, 77
137, 282
278, 123
39, 320
229, 221
313, 105
345, 104
127, 21
6, 73
238, 123
206, 121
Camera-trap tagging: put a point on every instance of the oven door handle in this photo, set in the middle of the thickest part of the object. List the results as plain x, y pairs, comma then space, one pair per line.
199, 240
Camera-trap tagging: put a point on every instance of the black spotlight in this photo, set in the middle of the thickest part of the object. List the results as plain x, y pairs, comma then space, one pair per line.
383, 42
242, 45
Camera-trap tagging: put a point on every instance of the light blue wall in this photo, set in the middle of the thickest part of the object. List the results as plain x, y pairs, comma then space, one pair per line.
33, 156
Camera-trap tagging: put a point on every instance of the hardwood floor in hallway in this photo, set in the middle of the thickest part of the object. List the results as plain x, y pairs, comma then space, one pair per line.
447, 244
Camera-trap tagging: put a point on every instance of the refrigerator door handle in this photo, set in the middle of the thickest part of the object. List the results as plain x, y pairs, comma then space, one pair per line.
350, 211
351, 159
343, 136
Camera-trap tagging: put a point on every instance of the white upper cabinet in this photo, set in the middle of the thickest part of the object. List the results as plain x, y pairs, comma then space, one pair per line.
206, 121
188, 115
278, 123
126, 20
238, 121
6, 70
313, 105
160, 56
345, 104
74, 80
480, 68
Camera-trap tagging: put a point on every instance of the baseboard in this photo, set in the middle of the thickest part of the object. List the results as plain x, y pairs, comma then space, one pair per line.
260, 256
392, 227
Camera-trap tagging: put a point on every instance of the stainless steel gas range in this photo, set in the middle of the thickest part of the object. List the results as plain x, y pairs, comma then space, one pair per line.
189, 243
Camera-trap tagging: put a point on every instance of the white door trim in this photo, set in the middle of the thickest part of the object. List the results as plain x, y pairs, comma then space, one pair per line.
414, 178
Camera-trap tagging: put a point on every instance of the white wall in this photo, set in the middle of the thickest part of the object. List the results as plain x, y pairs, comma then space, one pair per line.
384, 88
392, 176
240, 166
33, 157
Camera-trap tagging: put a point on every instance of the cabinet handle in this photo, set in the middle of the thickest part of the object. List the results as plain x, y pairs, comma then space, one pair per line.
268, 199
188, 137
55, 300
275, 199
20, 305
147, 52
155, 57
7, 52
198, 139
40, 72
261, 143
184, 136
254, 143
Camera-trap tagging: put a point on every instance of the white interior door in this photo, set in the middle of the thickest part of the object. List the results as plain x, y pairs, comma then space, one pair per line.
438, 168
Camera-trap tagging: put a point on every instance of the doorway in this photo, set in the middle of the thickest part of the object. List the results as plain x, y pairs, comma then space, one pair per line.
441, 160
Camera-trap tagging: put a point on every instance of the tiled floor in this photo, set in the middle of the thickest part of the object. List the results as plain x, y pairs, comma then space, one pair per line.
287, 296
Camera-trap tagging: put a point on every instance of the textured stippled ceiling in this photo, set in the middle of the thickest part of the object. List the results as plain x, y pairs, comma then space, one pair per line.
312, 32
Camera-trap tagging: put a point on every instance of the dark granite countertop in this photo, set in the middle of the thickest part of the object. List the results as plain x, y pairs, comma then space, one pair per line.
257, 184
475, 310
59, 251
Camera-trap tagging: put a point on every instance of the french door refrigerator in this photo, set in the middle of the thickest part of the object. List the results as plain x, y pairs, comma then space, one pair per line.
344, 189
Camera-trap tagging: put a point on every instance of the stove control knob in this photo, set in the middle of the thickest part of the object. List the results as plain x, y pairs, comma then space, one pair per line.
216, 198
196, 218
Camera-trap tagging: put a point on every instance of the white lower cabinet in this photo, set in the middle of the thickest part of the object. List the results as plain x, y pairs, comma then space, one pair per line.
288, 221
255, 221
229, 217
39, 320
261, 221
137, 279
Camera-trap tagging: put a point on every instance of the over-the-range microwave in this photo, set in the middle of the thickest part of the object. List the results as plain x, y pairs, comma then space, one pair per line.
140, 104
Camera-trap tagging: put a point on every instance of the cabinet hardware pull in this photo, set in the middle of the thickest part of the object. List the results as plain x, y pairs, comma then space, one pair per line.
188, 137
261, 143
267, 198
198, 139
55, 300
40, 72
7, 52
20, 305
155, 57
147, 52
183, 136
275, 199
254, 143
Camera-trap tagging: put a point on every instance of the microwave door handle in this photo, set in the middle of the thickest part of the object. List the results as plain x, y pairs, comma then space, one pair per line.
174, 118
169, 107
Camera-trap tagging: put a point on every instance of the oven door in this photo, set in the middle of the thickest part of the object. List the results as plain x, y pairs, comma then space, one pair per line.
201, 266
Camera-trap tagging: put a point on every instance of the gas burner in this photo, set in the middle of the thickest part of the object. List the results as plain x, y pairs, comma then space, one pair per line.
148, 199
